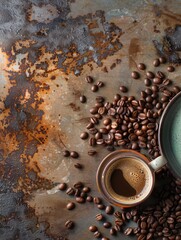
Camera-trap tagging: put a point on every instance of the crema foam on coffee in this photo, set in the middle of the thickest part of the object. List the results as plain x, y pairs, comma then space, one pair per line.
129, 180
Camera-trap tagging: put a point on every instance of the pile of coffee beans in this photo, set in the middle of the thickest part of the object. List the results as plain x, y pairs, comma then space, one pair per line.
132, 123
129, 122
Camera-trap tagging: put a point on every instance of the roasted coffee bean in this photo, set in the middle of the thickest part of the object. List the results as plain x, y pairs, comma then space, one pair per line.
135, 75
62, 186
109, 209
170, 69
117, 97
117, 228
141, 237
94, 120
143, 225
113, 231
107, 121
94, 88
80, 199
69, 224
176, 89
156, 62
107, 224
105, 238
93, 130
99, 217
167, 82
66, 153
100, 84
119, 222
93, 228
123, 89
164, 99
94, 110
86, 189
147, 82
141, 66
89, 79
83, 99
78, 165
74, 154
97, 200
89, 199
78, 185
157, 80
150, 74
90, 125
70, 191
99, 99
117, 214
92, 152
128, 231
97, 234
128, 215
70, 205
92, 141
98, 105
101, 206
77, 192
84, 135
155, 88
163, 60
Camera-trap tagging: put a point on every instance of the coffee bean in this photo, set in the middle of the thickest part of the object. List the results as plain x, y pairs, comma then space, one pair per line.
78, 185
89, 79
117, 214
69, 224
74, 154
105, 238
119, 222
163, 60
80, 199
113, 231
176, 89
99, 217
117, 97
128, 215
84, 135
66, 153
107, 121
78, 165
135, 75
141, 66
86, 189
141, 237
92, 152
128, 231
156, 62
93, 130
99, 99
157, 80
107, 224
62, 186
89, 199
170, 69
94, 120
93, 228
94, 88
155, 88
92, 141
97, 234
101, 206
70, 206
83, 99
109, 209
147, 82
70, 191
94, 110
97, 200
167, 82
90, 125
150, 74
100, 84
123, 89
77, 193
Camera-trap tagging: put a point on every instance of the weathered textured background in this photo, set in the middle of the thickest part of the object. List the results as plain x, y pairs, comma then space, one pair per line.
46, 50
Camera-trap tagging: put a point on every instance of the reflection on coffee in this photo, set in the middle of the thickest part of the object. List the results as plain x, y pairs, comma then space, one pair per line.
128, 179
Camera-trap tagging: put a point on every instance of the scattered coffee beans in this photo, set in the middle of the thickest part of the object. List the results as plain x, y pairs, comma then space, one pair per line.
70, 206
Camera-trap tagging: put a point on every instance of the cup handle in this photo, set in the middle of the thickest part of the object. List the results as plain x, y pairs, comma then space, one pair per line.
157, 163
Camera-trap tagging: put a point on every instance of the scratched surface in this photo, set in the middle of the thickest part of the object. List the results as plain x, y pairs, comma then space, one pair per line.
46, 50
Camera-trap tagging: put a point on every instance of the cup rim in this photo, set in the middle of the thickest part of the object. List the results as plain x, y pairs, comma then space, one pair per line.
111, 158
160, 129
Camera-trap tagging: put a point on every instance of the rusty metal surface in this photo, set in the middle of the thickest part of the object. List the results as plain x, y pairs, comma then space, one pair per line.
46, 50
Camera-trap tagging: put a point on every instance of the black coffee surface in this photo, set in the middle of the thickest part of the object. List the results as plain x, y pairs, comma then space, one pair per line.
120, 185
